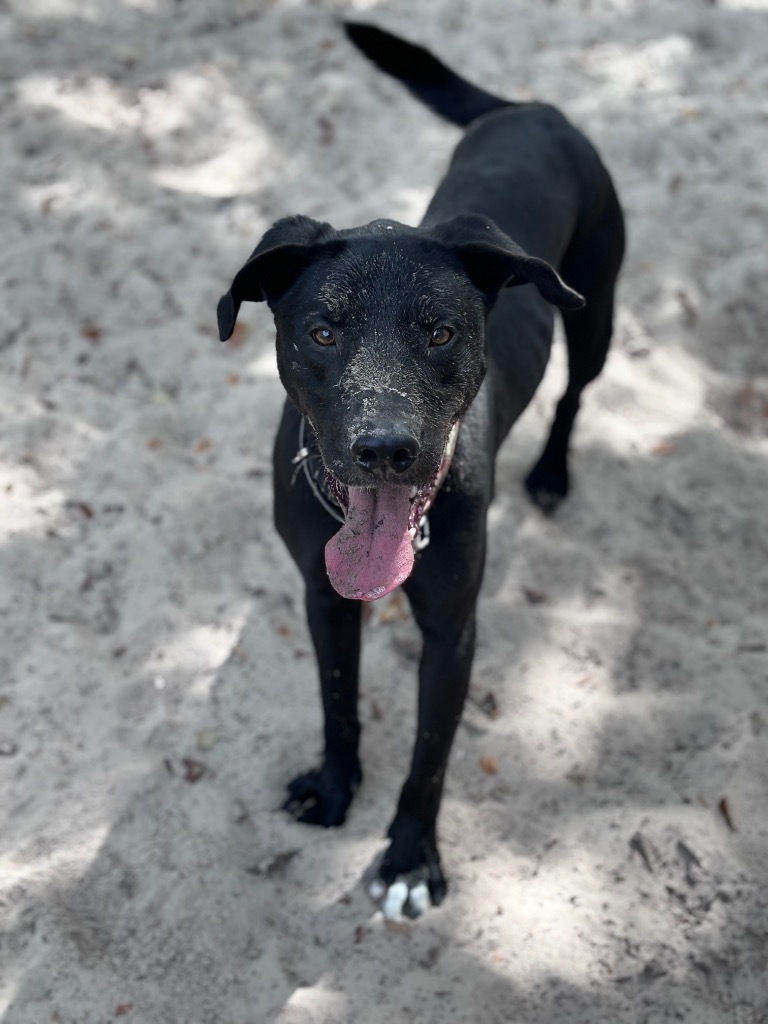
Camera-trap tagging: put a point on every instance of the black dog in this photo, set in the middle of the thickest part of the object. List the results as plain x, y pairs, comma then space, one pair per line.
407, 354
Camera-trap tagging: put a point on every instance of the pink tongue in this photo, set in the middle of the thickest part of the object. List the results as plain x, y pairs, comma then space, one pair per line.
372, 552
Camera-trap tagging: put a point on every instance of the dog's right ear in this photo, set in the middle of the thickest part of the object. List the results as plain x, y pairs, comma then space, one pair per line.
289, 246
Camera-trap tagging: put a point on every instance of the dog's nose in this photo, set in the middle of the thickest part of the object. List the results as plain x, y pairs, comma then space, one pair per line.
396, 452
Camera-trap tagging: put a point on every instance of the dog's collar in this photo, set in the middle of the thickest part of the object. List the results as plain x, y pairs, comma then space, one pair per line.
308, 460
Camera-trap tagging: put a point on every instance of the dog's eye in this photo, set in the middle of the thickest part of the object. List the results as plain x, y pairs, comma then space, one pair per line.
440, 336
323, 336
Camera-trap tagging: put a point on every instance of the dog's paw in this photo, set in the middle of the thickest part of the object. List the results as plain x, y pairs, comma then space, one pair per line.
322, 797
409, 878
546, 487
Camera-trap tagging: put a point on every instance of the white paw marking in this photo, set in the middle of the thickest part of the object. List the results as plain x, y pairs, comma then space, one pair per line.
376, 890
398, 900
394, 901
418, 899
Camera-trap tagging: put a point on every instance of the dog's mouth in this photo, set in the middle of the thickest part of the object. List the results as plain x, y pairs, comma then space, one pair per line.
419, 498
373, 552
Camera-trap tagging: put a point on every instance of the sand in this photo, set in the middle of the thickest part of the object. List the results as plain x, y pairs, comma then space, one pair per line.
605, 832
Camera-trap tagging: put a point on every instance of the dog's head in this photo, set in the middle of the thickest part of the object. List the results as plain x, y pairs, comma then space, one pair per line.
381, 341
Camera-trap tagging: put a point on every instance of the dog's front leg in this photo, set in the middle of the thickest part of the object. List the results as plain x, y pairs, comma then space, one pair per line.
444, 673
443, 594
322, 796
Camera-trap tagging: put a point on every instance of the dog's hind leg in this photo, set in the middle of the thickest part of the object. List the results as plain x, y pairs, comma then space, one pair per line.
590, 266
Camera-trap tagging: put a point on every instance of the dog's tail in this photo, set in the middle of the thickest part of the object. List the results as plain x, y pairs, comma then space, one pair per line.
427, 78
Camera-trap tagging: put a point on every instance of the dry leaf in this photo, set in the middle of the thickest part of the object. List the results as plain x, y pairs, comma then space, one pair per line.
725, 811
239, 335
193, 770
83, 507
663, 448
91, 332
395, 609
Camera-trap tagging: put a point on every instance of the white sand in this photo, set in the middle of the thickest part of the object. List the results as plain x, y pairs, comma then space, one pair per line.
148, 613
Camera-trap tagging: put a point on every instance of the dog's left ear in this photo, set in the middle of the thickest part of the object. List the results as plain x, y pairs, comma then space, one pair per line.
289, 246
494, 261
